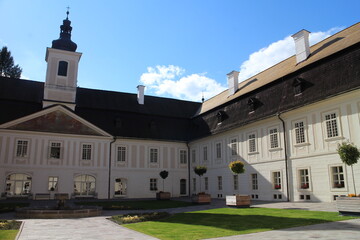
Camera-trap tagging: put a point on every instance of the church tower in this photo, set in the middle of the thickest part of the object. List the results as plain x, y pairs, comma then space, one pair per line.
62, 69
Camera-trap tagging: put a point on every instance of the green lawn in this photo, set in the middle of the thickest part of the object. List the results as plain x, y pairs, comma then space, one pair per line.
230, 221
137, 205
8, 234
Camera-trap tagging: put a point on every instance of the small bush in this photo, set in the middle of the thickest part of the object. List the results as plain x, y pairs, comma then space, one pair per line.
9, 225
139, 217
237, 167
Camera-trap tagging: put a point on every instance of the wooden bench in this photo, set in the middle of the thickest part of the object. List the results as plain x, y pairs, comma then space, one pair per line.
61, 196
42, 196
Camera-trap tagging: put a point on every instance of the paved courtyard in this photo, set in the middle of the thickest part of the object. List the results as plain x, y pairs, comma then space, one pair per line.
98, 228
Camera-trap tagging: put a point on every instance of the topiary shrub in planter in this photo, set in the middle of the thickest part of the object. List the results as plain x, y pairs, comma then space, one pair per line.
162, 195
237, 200
349, 154
201, 197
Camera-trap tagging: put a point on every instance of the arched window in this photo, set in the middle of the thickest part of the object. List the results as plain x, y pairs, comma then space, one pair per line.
182, 186
63, 68
18, 184
120, 187
84, 185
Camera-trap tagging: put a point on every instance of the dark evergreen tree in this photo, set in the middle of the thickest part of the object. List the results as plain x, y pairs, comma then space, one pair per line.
7, 67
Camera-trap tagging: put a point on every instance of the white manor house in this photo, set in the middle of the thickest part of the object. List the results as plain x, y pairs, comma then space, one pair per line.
284, 123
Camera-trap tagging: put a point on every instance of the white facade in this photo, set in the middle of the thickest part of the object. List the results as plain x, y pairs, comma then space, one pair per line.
316, 153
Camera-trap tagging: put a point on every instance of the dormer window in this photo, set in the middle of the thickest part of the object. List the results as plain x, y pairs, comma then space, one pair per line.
63, 68
252, 104
221, 116
298, 85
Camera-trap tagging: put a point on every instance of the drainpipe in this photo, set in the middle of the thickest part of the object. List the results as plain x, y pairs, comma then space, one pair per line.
286, 158
189, 184
109, 182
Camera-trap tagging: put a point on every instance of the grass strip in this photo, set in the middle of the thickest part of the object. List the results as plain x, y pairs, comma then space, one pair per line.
229, 221
136, 205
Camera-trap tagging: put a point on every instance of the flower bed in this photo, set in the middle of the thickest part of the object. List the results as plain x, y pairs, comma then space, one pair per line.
139, 217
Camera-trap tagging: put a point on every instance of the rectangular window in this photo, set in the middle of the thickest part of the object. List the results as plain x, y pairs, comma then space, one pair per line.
299, 132
206, 180
153, 155
254, 181
276, 180
218, 150
86, 152
219, 182
22, 148
153, 184
252, 143
55, 150
205, 155
331, 125
233, 147
53, 182
183, 157
274, 138
121, 153
236, 180
193, 155
338, 179
194, 185
304, 178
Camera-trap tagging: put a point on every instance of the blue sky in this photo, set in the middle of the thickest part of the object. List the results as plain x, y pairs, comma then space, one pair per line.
176, 48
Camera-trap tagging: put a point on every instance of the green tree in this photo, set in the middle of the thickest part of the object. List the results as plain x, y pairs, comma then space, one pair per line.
7, 67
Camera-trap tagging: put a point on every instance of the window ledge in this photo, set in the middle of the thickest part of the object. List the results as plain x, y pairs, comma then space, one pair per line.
275, 149
253, 153
334, 139
302, 144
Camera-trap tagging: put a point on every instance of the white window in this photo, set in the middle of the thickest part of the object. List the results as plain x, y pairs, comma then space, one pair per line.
84, 185
205, 155
299, 132
254, 181
218, 150
194, 184
233, 147
18, 184
338, 178
55, 150
153, 155
193, 155
86, 152
53, 183
276, 178
219, 182
22, 148
183, 157
121, 153
120, 187
252, 142
274, 138
332, 129
153, 184
206, 183
236, 182
304, 178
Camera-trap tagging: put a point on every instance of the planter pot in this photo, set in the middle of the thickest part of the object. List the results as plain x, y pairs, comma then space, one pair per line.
238, 201
163, 196
201, 199
348, 205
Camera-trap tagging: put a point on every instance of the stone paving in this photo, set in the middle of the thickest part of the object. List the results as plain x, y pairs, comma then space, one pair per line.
98, 228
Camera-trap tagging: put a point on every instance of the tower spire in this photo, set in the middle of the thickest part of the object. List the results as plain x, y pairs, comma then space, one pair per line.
64, 42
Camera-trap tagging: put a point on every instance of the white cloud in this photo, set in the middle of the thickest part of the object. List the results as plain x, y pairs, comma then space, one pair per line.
171, 81
275, 53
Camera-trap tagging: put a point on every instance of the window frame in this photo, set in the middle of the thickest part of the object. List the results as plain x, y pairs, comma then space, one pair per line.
53, 182
121, 154
326, 123
153, 184
193, 155
206, 183
304, 180
332, 180
277, 183
183, 157
274, 138
218, 150
220, 183
252, 143
236, 182
254, 182
19, 150
234, 147
86, 151
51, 147
205, 154
62, 71
154, 155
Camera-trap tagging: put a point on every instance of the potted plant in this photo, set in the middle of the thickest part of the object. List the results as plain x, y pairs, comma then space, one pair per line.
238, 200
349, 154
201, 197
162, 195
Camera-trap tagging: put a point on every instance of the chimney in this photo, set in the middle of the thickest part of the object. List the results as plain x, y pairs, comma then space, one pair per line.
140, 95
302, 46
233, 82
